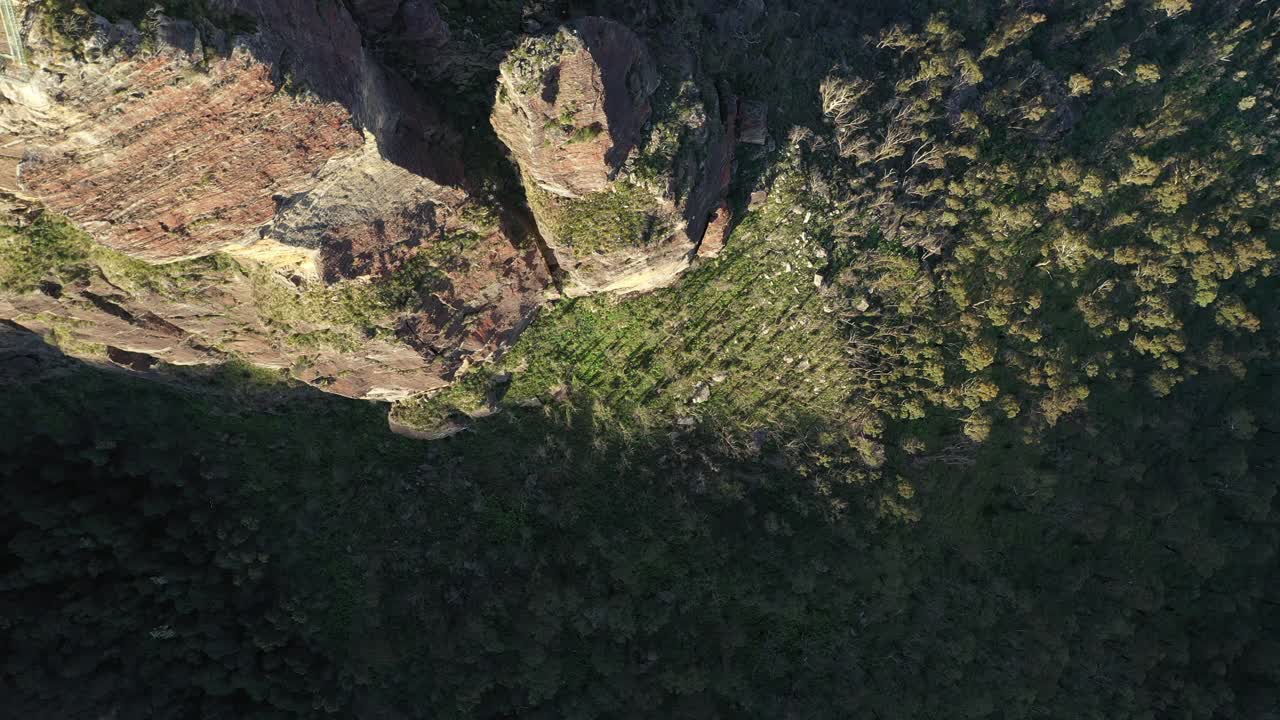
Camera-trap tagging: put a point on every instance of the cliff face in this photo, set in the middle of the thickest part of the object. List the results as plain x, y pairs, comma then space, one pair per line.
297, 204
190, 162
621, 172
321, 177
189, 146
322, 50
413, 23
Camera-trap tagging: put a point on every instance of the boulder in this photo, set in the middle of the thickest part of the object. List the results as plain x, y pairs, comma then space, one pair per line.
717, 232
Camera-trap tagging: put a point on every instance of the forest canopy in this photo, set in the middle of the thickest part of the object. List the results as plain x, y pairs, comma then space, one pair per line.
976, 416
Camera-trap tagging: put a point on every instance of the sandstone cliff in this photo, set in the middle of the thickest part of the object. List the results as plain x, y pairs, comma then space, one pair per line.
322, 177
274, 192
624, 160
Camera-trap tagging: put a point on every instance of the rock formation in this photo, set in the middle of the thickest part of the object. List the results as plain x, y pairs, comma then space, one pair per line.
184, 166
281, 196
572, 105
622, 173
322, 189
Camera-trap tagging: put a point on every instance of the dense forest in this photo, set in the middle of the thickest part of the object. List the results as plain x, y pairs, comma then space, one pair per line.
985, 423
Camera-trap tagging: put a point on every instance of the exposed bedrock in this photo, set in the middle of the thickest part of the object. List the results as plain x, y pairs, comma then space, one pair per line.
328, 177
624, 159
303, 206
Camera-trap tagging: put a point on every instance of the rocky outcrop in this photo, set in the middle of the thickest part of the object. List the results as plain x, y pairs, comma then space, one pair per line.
317, 49
178, 152
321, 190
350, 338
717, 234
571, 105
187, 163
137, 328
297, 204
622, 177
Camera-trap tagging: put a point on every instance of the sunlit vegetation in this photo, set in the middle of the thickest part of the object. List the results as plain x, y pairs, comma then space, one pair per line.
619, 217
50, 249
49, 252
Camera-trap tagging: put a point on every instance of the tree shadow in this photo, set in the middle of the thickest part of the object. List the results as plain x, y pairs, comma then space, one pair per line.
358, 535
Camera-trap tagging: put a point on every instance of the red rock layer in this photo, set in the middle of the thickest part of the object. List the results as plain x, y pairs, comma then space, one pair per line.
475, 299
182, 168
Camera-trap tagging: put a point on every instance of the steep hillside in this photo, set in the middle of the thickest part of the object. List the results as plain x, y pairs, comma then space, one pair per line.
742, 358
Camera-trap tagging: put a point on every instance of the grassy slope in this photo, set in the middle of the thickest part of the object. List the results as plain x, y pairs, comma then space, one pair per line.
750, 317
750, 326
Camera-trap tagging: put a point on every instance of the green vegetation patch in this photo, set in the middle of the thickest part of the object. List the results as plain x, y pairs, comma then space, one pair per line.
51, 249
745, 338
585, 134
451, 409
70, 22
351, 311
65, 22
679, 111
621, 217
528, 62
62, 335
48, 249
